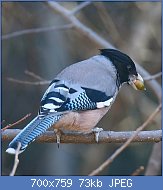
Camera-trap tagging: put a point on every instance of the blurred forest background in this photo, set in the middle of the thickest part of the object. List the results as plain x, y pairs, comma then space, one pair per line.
133, 27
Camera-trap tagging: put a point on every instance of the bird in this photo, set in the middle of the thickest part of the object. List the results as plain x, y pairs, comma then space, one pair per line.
79, 96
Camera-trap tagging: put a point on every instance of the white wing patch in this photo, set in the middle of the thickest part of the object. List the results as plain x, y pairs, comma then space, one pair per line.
104, 104
62, 88
50, 106
56, 99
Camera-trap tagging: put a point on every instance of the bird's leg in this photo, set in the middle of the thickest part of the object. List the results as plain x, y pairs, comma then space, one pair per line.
58, 135
97, 131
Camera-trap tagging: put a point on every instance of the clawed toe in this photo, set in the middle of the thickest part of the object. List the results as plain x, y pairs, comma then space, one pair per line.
58, 135
97, 131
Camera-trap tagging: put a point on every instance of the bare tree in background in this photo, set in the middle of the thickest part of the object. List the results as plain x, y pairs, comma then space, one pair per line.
70, 30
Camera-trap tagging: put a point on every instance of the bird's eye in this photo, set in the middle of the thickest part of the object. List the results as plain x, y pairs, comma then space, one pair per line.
129, 68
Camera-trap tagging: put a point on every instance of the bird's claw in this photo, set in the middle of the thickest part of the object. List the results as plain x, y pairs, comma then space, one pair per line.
97, 131
58, 135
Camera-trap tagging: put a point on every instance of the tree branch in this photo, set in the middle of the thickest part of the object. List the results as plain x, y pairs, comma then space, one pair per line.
35, 30
93, 36
126, 144
34, 75
138, 171
16, 161
80, 6
45, 82
15, 123
104, 137
153, 76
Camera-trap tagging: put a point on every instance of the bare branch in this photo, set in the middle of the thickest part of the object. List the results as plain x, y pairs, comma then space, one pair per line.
154, 85
40, 82
126, 144
153, 76
16, 162
104, 137
79, 26
138, 171
35, 76
17, 122
28, 82
80, 6
35, 30
45, 82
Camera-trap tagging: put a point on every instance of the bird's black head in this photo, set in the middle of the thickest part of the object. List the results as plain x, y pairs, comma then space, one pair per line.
123, 63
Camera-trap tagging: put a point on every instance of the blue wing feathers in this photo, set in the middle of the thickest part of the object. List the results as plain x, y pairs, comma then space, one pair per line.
63, 96
35, 128
59, 98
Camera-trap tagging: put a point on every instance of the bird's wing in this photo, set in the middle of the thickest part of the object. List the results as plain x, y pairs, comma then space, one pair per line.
94, 73
62, 96
89, 84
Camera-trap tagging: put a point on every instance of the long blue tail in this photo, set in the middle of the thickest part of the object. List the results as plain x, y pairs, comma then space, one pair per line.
35, 128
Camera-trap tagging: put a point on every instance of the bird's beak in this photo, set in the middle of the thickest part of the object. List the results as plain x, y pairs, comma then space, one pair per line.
137, 83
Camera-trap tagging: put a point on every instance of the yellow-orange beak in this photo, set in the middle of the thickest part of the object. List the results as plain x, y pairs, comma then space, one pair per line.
137, 83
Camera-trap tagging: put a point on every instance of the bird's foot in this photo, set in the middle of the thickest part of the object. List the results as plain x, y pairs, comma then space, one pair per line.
58, 135
97, 131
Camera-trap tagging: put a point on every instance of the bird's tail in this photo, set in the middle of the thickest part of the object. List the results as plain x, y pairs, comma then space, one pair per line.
35, 128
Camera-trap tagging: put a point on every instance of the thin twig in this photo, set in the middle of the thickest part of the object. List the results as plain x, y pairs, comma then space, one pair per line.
101, 42
153, 76
104, 137
80, 6
35, 30
138, 171
15, 123
28, 82
35, 76
45, 82
16, 162
80, 26
126, 144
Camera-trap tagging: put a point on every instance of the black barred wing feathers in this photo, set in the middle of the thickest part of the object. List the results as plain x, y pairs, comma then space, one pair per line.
63, 96
54, 97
